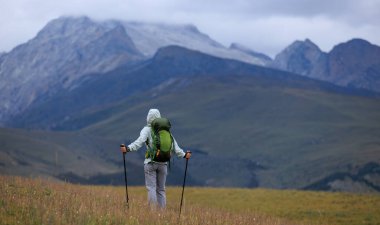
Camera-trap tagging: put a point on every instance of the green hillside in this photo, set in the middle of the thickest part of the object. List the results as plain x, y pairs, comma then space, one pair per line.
245, 131
71, 156
292, 136
75, 157
35, 153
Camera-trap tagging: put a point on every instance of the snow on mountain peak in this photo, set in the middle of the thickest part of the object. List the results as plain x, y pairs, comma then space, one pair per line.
247, 50
149, 37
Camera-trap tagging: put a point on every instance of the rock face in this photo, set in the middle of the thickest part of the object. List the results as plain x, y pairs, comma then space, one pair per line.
355, 63
301, 57
63, 51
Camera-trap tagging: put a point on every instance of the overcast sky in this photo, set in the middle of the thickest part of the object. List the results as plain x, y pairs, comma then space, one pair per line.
267, 26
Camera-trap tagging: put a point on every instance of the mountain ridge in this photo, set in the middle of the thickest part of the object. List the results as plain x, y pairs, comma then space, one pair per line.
69, 47
355, 63
149, 37
52, 61
168, 63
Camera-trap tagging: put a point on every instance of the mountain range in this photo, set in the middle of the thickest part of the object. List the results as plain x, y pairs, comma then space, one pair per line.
306, 119
68, 48
355, 63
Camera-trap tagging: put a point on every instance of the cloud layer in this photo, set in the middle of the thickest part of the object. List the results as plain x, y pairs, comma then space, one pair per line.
265, 26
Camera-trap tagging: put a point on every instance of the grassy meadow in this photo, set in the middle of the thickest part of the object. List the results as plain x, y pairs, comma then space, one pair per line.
36, 201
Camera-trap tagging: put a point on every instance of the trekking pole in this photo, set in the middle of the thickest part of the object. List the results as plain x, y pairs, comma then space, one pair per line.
125, 178
183, 186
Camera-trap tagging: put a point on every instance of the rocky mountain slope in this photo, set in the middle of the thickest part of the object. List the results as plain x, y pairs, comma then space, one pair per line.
62, 52
355, 63
69, 47
167, 65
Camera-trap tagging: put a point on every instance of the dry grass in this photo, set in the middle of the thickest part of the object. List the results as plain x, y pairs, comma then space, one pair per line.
27, 201
308, 207
36, 201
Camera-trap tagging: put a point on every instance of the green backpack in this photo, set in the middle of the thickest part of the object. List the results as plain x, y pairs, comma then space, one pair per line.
162, 141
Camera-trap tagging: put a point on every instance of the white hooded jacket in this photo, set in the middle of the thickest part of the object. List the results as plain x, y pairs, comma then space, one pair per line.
145, 134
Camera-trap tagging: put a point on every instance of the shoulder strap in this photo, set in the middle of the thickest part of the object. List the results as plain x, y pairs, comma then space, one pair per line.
150, 151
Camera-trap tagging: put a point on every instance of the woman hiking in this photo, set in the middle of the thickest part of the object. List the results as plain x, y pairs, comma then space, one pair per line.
155, 168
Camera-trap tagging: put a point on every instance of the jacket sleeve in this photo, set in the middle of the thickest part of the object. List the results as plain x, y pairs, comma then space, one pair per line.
144, 134
178, 151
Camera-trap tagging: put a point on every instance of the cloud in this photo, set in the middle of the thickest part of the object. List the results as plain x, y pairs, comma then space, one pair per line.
266, 26
365, 11
270, 35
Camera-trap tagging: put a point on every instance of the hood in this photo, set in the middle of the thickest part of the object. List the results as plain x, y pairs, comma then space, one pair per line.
152, 114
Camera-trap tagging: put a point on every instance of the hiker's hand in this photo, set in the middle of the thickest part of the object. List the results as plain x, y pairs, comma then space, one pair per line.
187, 155
123, 148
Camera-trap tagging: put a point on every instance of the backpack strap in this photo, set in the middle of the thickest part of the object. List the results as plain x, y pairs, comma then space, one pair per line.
151, 150
148, 149
172, 147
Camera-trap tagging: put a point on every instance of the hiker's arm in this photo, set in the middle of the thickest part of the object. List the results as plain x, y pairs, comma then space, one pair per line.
134, 146
178, 151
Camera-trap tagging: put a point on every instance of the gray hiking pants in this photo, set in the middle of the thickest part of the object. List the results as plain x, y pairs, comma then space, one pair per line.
155, 179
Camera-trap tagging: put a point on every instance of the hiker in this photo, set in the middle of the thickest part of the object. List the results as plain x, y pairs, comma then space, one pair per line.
155, 170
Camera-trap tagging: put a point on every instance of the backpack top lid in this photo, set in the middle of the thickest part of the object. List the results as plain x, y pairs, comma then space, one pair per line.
159, 124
